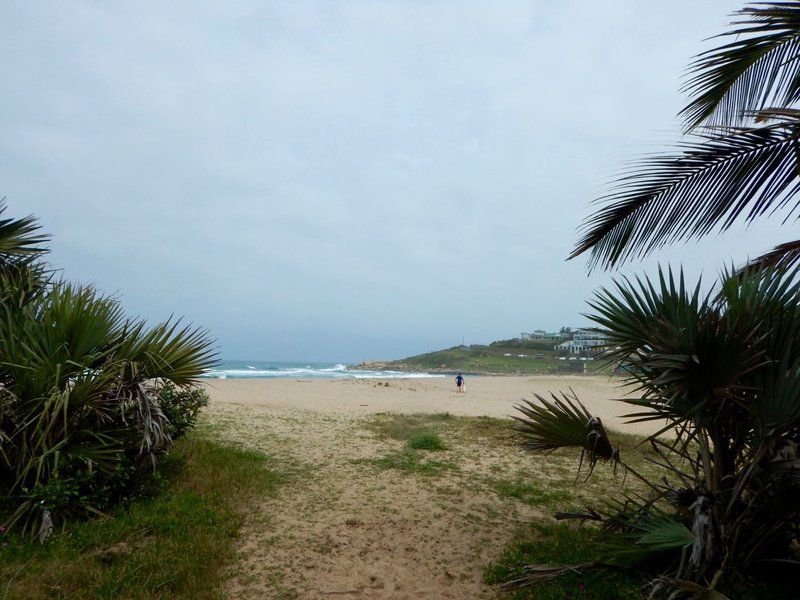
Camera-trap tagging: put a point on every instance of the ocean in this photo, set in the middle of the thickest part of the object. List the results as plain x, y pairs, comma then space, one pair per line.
254, 369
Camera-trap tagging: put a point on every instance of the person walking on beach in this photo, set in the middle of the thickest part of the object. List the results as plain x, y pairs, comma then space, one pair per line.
460, 383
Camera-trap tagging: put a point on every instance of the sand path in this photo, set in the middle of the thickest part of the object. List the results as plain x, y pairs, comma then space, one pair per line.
347, 523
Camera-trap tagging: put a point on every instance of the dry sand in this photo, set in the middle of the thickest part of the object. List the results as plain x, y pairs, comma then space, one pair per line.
485, 396
346, 523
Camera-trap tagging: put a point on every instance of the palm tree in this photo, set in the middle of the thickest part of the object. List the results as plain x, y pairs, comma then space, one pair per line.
719, 371
720, 374
740, 160
79, 388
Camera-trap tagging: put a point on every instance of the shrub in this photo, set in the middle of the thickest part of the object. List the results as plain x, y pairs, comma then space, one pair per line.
181, 407
79, 412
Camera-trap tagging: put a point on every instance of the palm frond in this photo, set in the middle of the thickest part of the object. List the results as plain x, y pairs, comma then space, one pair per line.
777, 407
167, 351
19, 237
783, 256
534, 574
682, 588
711, 183
759, 68
562, 423
674, 347
650, 537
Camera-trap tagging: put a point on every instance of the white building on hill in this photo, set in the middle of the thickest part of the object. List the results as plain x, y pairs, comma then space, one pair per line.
583, 342
540, 335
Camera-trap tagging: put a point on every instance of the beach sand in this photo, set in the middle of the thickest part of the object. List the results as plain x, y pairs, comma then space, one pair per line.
484, 396
361, 516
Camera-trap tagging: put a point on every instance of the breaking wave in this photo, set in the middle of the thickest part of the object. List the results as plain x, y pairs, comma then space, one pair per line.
266, 370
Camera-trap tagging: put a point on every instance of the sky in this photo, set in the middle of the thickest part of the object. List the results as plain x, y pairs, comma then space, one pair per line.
340, 181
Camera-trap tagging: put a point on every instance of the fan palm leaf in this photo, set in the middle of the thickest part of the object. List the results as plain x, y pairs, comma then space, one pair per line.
19, 237
166, 351
675, 348
649, 537
563, 422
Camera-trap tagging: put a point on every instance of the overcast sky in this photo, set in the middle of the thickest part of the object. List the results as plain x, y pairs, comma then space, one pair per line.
341, 180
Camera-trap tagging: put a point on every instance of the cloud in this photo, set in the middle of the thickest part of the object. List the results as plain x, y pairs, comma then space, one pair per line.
317, 180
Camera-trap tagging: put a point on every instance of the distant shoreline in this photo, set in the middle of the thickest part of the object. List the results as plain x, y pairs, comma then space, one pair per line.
398, 367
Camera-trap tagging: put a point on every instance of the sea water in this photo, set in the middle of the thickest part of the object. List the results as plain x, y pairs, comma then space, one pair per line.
253, 369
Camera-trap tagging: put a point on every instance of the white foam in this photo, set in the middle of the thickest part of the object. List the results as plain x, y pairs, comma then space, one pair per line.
338, 371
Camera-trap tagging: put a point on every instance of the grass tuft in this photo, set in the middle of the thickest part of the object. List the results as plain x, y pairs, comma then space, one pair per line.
426, 440
530, 492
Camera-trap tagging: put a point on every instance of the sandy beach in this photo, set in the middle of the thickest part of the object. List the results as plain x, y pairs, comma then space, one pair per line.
484, 396
363, 516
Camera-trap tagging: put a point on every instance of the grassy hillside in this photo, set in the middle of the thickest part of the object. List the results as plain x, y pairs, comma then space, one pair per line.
506, 356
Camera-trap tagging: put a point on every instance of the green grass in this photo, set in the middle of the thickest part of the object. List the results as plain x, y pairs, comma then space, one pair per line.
492, 359
445, 416
481, 359
410, 462
486, 430
563, 544
420, 432
169, 546
560, 545
403, 427
530, 492
426, 440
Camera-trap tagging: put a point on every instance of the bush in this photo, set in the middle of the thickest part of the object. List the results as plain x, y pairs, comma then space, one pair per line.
181, 407
80, 416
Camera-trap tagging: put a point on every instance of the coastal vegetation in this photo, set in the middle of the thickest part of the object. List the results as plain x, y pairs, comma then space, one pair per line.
109, 490
718, 367
86, 391
504, 357
172, 543
559, 544
102, 492
420, 433
724, 507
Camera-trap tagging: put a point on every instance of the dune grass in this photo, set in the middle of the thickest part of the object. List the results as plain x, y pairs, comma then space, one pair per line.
410, 462
405, 427
421, 435
172, 545
426, 440
531, 492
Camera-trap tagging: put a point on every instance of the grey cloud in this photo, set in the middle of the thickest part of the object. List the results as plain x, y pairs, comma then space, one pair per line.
340, 180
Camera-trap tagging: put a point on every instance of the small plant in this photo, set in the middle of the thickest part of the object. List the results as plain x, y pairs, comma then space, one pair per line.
426, 440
